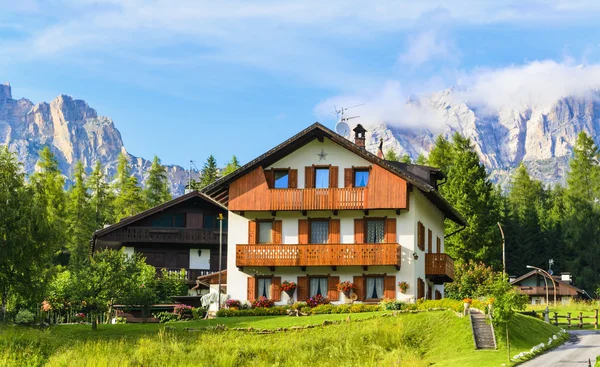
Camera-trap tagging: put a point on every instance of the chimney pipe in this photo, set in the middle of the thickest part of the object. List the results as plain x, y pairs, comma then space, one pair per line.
359, 136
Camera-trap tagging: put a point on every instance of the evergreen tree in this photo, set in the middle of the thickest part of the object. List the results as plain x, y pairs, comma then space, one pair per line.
80, 218
129, 197
421, 160
25, 234
233, 165
406, 159
157, 185
469, 190
49, 190
582, 213
391, 155
102, 197
210, 172
440, 155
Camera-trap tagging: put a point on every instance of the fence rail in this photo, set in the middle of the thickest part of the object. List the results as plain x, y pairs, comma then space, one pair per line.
580, 323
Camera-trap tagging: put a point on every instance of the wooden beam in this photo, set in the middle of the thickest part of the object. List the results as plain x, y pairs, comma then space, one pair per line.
272, 268
397, 211
365, 267
366, 212
335, 212
303, 268
334, 268
273, 213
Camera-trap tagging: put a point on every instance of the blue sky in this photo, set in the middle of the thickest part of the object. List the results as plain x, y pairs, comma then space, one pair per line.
205, 77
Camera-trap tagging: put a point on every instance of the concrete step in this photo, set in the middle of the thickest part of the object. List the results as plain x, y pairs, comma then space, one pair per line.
483, 331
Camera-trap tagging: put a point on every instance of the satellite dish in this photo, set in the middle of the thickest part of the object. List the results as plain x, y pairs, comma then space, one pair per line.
342, 128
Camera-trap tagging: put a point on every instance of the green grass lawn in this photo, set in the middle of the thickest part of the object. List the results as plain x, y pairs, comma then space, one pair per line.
422, 339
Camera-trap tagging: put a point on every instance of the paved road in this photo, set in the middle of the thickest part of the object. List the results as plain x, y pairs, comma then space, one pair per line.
583, 344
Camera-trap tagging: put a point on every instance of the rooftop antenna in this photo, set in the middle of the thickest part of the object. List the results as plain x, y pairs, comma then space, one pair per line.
342, 127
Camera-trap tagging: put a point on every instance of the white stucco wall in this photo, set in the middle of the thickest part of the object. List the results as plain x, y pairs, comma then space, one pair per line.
129, 250
199, 262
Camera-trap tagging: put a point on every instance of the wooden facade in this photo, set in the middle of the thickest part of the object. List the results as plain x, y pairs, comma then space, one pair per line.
439, 268
384, 190
166, 235
330, 254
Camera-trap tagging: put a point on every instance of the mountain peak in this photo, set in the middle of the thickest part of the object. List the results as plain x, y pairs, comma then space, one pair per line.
5, 91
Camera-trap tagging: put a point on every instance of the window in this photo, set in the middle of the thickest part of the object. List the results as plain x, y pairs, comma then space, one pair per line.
374, 288
319, 231
375, 232
318, 286
421, 236
361, 177
281, 179
264, 287
265, 232
170, 220
321, 178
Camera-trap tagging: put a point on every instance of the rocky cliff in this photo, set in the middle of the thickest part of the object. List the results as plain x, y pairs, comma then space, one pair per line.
73, 131
541, 136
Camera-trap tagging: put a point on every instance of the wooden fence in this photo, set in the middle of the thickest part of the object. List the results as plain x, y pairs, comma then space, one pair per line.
579, 320
69, 317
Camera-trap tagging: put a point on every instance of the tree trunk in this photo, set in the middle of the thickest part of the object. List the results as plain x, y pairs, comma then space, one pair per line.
94, 323
4, 299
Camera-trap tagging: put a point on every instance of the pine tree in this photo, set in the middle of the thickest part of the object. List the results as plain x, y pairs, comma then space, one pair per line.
391, 155
233, 165
48, 185
80, 218
582, 213
440, 155
421, 160
210, 172
406, 159
157, 185
469, 190
102, 197
129, 197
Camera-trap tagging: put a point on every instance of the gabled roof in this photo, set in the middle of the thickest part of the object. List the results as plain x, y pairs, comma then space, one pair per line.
219, 189
157, 209
556, 280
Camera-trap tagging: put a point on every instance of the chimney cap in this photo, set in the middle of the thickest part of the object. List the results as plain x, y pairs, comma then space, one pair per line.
359, 129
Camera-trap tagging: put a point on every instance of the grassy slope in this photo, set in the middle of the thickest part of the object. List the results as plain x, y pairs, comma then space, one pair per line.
434, 338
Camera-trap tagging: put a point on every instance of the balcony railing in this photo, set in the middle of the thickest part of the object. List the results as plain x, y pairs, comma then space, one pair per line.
439, 268
318, 255
188, 274
166, 235
318, 199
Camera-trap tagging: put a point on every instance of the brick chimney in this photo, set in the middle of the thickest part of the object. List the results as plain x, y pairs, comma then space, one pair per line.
380, 151
359, 136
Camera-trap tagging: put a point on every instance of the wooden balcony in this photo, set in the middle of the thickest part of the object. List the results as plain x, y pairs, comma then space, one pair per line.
439, 268
318, 255
318, 199
165, 235
189, 275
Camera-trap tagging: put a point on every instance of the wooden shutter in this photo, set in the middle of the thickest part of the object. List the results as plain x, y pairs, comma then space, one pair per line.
269, 176
429, 292
420, 288
348, 177
390, 230
359, 231
332, 292
302, 289
276, 289
333, 177
303, 231
359, 287
438, 247
293, 179
252, 232
334, 231
429, 241
251, 289
276, 231
309, 177
389, 287
421, 236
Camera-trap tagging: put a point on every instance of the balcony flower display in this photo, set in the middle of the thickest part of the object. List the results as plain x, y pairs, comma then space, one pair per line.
403, 286
346, 287
234, 304
263, 302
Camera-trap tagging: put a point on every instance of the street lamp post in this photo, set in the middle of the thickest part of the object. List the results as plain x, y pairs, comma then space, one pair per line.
547, 318
220, 255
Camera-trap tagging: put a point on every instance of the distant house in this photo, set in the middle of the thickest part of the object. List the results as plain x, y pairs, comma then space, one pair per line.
319, 209
533, 285
180, 234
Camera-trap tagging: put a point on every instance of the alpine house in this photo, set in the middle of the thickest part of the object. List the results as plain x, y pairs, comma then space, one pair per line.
319, 210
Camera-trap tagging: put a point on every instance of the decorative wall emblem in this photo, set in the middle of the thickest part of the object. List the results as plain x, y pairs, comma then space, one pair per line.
322, 155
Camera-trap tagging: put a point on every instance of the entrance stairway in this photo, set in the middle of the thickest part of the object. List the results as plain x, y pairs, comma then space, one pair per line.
483, 331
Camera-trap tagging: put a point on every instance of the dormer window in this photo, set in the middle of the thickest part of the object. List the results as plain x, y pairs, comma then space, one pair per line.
282, 178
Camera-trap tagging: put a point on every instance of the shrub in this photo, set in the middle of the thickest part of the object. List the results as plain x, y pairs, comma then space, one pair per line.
263, 302
166, 316
455, 305
259, 311
79, 317
182, 310
24, 317
333, 309
233, 303
316, 300
120, 320
199, 312
391, 304
299, 305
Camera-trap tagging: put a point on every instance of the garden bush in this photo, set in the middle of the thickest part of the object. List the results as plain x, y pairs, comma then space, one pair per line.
317, 300
260, 311
24, 317
166, 316
452, 304
263, 302
391, 304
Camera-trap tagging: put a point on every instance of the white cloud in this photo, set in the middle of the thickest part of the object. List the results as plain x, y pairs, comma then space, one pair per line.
427, 46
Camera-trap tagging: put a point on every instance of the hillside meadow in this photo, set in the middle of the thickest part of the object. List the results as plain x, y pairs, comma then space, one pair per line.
422, 339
